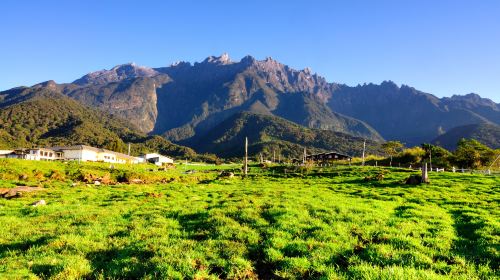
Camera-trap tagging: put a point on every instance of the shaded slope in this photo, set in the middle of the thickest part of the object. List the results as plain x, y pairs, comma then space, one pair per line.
267, 133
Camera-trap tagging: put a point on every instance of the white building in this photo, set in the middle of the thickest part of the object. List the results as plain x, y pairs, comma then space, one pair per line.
31, 154
88, 153
42, 154
82, 153
156, 159
5, 153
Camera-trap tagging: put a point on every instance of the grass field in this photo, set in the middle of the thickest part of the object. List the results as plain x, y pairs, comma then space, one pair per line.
327, 223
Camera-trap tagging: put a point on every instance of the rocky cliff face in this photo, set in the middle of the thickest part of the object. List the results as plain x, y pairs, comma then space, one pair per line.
214, 89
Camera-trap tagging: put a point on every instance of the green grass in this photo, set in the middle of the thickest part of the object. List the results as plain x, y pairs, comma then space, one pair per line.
327, 223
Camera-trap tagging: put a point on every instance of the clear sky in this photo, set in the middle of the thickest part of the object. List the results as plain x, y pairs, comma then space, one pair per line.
444, 47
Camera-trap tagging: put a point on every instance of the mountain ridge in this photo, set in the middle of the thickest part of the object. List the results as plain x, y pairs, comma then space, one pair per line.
185, 99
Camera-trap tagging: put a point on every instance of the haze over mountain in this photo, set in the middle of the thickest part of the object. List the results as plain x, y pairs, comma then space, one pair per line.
185, 101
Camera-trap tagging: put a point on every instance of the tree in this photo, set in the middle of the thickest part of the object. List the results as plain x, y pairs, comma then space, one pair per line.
392, 148
473, 154
411, 156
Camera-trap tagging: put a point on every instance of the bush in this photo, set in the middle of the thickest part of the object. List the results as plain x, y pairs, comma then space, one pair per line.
57, 175
131, 177
412, 156
472, 154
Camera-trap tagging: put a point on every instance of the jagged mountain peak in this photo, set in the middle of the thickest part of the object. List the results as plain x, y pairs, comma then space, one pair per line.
223, 59
180, 64
248, 59
117, 73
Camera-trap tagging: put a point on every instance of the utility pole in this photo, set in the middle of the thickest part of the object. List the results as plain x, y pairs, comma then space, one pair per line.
246, 157
274, 156
364, 148
129, 149
305, 156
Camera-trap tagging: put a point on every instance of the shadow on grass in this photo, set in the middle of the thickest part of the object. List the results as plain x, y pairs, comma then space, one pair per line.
263, 268
469, 244
46, 271
123, 263
197, 225
23, 245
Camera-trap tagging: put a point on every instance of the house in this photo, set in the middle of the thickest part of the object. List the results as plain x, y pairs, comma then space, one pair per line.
78, 152
82, 153
88, 153
156, 159
42, 154
329, 156
31, 154
5, 153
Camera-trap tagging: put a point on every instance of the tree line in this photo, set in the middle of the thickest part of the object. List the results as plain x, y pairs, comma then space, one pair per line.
470, 154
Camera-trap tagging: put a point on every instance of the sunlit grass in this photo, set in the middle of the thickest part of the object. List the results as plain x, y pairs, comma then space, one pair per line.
325, 223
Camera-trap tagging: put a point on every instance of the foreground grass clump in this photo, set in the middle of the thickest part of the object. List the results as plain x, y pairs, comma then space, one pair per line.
327, 223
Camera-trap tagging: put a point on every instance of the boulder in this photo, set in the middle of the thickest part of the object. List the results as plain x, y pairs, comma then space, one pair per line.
136, 181
414, 180
17, 191
226, 174
39, 203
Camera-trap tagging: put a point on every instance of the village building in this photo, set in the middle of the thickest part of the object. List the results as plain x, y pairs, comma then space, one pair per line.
156, 159
5, 153
30, 154
329, 156
83, 153
88, 153
42, 154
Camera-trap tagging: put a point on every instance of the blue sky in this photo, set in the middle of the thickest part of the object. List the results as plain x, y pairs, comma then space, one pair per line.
443, 47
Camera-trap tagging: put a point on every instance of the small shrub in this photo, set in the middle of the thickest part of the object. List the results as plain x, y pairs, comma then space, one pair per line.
57, 175
37, 174
131, 177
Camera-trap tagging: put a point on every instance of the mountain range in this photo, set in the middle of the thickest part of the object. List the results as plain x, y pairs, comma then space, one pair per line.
187, 103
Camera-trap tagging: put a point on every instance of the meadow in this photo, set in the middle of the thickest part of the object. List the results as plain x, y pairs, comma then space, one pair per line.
278, 223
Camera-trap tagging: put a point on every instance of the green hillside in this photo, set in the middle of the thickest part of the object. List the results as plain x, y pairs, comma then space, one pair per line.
267, 133
44, 117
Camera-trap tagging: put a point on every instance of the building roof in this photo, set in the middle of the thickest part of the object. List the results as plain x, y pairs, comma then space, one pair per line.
44, 149
153, 155
6, 152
